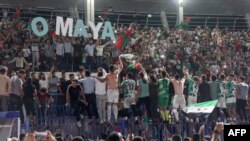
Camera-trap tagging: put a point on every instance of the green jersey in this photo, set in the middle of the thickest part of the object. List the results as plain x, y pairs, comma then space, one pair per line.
164, 87
231, 89
221, 89
129, 87
192, 87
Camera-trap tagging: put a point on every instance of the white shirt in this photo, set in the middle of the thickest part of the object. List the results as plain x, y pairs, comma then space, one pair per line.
34, 48
43, 84
59, 49
99, 50
100, 87
26, 52
68, 47
90, 49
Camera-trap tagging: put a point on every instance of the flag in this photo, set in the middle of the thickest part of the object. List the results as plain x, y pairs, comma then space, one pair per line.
184, 24
123, 40
17, 13
53, 34
16, 23
201, 109
188, 20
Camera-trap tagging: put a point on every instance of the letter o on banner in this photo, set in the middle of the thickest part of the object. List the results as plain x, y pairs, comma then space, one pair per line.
44, 24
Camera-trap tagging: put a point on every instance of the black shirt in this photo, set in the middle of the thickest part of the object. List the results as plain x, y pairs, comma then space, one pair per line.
204, 91
74, 93
28, 90
64, 84
35, 82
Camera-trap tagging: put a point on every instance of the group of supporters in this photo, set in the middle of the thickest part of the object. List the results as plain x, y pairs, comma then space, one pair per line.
140, 94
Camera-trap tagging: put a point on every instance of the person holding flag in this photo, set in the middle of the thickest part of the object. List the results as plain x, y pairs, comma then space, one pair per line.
123, 40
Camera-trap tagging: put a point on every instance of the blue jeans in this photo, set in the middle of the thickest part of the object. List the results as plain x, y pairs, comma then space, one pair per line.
89, 63
69, 61
4, 103
49, 61
59, 60
92, 107
99, 61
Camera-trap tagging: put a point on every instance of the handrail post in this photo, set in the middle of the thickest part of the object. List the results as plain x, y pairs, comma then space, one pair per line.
118, 19
234, 24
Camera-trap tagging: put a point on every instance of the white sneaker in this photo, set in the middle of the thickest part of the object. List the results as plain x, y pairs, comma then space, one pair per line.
79, 124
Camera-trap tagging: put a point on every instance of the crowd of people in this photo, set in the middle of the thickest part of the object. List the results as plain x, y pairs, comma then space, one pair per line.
168, 70
116, 136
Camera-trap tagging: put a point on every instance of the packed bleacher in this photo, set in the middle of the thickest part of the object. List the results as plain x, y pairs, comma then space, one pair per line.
139, 88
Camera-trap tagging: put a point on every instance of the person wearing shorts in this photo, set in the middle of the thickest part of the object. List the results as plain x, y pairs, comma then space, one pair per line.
221, 91
112, 91
129, 89
230, 97
193, 87
163, 96
179, 101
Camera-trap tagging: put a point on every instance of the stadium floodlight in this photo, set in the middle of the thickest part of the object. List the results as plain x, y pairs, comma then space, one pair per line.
180, 1
180, 11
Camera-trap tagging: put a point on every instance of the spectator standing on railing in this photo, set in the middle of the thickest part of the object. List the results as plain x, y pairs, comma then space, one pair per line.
221, 91
143, 94
26, 51
78, 51
29, 91
129, 94
4, 90
35, 81
19, 61
17, 93
76, 98
88, 84
68, 55
213, 94
99, 54
53, 83
63, 87
193, 87
112, 91
42, 80
59, 46
35, 54
242, 99
231, 97
204, 90
153, 95
101, 97
49, 53
163, 96
179, 101
44, 100
89, 48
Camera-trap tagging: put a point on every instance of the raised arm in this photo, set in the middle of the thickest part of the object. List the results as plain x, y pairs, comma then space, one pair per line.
120, 66
12, 61
102, 79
